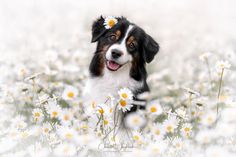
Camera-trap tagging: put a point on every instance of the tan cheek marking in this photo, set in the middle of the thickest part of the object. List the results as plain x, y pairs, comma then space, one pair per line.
104, 49
118, 33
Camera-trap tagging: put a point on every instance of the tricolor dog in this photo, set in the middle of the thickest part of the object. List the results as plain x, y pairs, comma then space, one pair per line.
122, 52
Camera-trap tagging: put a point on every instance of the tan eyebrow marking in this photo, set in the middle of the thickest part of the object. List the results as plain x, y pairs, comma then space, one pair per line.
131, 39
118, 33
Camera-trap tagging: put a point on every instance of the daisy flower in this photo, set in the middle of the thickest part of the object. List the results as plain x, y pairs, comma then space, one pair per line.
124, 105
109, 22
208, 118
103, 109
13, 133
204, 136
65, 149
46, 128
82, 127
218, 151
228, 115
90, 141
53, 109
19, 122
182, 112
204, 56
25, 134
135, 121
178, 143
222, 65
53, 139
67, 133
155, 149
171, 124
66, 116
125, 93
90, 108
42, 98
157, 131
37, 150
70, 93
154, 108
137, 137
225, 130
21, 70
186, 130
112, 99
107, 121
37, 115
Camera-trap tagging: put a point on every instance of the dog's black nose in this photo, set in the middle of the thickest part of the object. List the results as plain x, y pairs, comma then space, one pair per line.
116, 53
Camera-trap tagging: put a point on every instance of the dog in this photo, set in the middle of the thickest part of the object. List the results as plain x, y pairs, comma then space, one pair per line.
120, 59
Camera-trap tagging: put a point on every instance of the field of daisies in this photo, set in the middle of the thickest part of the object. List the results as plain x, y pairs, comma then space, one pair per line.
45, 51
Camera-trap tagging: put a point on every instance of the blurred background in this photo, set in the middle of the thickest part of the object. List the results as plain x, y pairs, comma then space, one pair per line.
184, 28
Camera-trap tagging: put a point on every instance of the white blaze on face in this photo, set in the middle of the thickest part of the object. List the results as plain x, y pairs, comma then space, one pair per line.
125, 57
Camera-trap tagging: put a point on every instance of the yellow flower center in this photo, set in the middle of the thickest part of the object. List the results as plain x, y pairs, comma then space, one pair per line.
66, 117
24, 134
113, 138
153, 109
99, 134
124, 95
69, 135
105, 122
136, 121
84, 126
54, 114
186, 129
22, 71
93, 104
46, 130
70, 94
210, 119
136, 137
123, 103
156, 150
110, 110
37, 114
169, 128
101, 111
192, 113
178, 145
157, 132
111, 23
66, 150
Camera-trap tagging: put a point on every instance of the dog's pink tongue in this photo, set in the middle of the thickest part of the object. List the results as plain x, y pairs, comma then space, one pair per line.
113, 65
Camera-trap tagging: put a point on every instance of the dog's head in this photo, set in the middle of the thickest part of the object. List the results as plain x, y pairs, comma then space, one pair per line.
119, 43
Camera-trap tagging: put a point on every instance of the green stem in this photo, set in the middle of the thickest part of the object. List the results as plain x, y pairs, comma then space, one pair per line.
209, 73
190, 99
220, 86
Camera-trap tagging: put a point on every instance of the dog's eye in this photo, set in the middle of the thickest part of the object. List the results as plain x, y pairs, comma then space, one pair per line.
132, 46
112, 37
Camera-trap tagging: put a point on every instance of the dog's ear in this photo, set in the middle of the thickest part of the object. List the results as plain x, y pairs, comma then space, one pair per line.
150, 48
98, 29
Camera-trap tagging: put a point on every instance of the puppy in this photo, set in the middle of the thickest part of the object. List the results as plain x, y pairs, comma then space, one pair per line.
122, 51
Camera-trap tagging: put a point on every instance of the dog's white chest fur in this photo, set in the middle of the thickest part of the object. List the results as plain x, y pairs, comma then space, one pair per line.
98, 88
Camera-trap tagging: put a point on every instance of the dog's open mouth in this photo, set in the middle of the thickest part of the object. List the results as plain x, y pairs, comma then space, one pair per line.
113, 66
